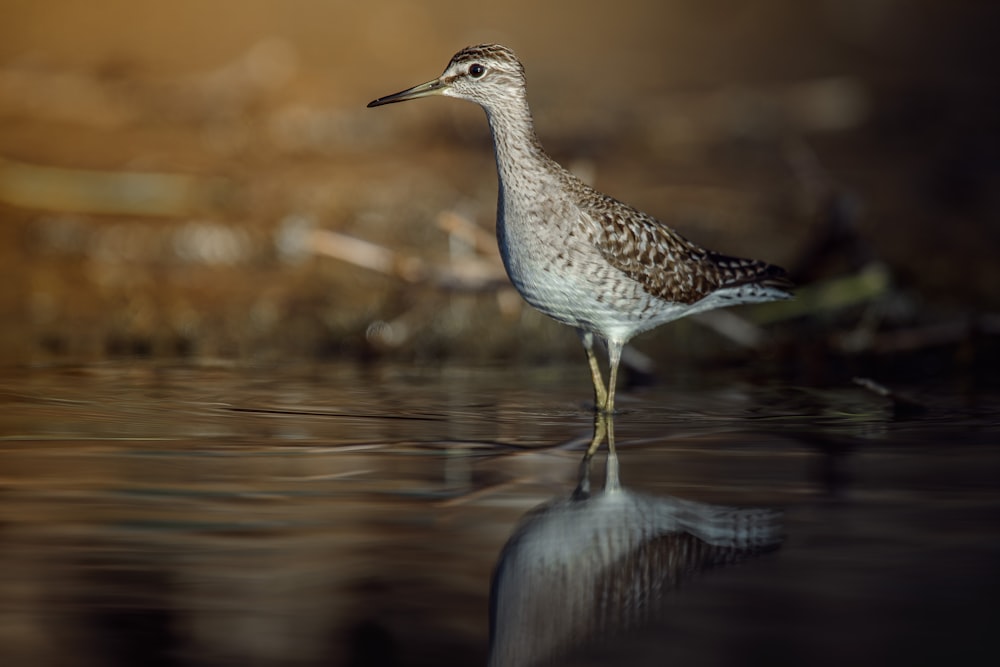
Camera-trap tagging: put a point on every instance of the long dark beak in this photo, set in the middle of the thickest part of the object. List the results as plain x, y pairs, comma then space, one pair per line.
435, 87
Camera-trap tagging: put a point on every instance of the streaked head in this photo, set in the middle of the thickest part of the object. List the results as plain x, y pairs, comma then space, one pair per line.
483, 74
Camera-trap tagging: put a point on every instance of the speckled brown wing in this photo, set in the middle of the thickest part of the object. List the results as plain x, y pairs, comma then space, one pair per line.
666, 264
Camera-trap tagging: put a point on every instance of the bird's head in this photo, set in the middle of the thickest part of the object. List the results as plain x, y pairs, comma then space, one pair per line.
484, 74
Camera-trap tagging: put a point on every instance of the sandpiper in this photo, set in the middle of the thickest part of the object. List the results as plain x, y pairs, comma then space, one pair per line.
579, 256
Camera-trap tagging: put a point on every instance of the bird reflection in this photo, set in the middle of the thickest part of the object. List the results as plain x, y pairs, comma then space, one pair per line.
589, 566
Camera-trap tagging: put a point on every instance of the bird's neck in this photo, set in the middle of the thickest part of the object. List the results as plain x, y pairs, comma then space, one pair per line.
519, 154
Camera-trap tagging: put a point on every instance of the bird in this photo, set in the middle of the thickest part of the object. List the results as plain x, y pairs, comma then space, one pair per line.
578, 255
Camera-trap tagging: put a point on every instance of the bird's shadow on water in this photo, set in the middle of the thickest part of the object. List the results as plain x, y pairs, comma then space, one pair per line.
587, 568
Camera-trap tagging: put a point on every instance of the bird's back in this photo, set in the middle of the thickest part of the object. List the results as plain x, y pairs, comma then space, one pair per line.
667, 265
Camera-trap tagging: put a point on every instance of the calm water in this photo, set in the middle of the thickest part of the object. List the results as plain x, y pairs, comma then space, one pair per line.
337, 515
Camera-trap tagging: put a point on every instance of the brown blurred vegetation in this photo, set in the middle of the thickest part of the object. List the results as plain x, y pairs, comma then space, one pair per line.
203, 180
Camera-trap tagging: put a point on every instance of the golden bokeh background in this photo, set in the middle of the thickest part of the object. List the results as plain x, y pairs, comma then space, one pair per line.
203, 179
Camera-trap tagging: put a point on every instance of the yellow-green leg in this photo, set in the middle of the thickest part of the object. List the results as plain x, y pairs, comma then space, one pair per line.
614, 359
600, 430
611, 480
604, 427
600, 393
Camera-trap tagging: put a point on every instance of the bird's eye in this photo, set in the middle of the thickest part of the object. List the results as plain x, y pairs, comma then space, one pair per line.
476, 70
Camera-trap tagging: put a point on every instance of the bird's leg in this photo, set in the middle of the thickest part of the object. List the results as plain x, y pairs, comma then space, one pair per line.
611, 481
600, 393
600, 431
614, 359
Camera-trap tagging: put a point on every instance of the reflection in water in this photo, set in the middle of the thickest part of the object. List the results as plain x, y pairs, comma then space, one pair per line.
589, 566
222, 516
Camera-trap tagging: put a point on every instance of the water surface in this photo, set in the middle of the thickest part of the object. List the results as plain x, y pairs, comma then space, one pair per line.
345, 515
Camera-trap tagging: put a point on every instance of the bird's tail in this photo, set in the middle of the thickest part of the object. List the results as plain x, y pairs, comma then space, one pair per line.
739, 272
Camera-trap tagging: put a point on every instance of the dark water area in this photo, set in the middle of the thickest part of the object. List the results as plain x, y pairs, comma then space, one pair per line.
342, 515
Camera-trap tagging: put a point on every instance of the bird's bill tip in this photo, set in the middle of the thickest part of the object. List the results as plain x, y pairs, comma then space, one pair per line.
435, 87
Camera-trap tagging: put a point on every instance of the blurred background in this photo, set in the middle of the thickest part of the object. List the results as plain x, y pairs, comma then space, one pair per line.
186, 180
